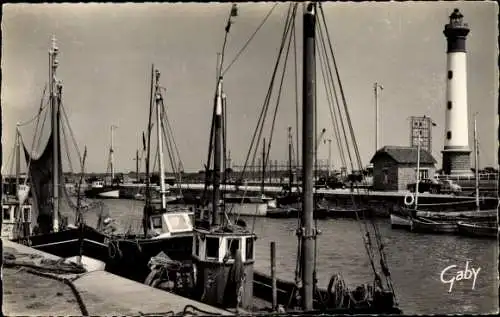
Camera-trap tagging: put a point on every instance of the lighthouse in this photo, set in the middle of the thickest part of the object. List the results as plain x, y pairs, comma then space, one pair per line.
456, 152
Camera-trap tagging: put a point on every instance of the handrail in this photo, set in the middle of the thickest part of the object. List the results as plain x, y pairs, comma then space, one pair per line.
482, 176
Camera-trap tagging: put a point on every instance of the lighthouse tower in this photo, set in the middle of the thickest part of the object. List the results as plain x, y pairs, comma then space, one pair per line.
456, 152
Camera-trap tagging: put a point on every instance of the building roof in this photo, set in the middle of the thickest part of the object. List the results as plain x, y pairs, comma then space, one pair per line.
405, 155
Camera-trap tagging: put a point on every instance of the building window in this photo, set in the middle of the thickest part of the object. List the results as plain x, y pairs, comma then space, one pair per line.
448, 135
423, 174
449, 105
386, 176
450, 74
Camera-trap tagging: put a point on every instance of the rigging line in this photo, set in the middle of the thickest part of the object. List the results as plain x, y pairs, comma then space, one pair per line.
347, 148
168, 144
368, 250
280, 89
166, 140
265, 108
270, 91
296, 93
25, 123
41, 108
290, 24
71, 133
344, 101
32, 149
210, 148
250, 39
354, 144
358, 157
329, 97
267, 96
67, 148
171, 133
224, 142
11, 157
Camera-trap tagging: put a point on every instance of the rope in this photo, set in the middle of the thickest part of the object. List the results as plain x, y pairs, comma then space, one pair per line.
42, 107
57, 268
71, 133
78, 296
249, 40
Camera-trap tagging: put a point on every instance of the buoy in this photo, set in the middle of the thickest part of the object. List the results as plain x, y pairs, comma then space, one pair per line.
411, 201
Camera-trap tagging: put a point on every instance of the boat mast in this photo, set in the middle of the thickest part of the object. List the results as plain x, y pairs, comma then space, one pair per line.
137, 165
308, 140
418, 170
217, 154
159, 127
18, 163
476, 163
290, 172
263, 167
55, 133
111, 156
148, 191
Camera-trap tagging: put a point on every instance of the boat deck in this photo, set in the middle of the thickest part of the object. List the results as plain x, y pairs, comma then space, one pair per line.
95, 293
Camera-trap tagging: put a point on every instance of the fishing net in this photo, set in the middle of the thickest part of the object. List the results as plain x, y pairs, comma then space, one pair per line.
40, 172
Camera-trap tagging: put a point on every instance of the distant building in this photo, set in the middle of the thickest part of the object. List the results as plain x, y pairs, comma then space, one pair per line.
421, 130
394, 167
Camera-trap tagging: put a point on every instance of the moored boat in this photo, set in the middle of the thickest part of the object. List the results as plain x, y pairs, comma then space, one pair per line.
166, 229
400, 221
430, 226
352, 213
57, 224
483, 230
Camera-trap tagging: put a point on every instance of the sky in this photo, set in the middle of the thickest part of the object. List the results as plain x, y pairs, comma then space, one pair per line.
106, 52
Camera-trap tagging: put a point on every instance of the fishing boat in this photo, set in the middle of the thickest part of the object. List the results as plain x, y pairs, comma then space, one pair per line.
16, 205
479, 230
100, 188
165, 229
54, 224
430, 226
223, 250
291, 212
353, 213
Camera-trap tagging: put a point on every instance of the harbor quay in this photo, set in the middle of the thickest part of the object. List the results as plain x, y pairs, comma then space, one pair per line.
380, 202
39, 283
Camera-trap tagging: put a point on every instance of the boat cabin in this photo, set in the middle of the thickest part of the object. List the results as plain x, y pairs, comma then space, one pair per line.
224, 255
13, 214
97, 184
167, 224
216, 247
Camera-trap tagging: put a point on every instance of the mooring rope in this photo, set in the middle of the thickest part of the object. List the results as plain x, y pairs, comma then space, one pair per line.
56, 267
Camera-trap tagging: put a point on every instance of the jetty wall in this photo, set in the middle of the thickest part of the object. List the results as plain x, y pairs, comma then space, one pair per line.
102, 293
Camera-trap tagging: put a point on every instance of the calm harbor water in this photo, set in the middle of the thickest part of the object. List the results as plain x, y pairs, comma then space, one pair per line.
415, 260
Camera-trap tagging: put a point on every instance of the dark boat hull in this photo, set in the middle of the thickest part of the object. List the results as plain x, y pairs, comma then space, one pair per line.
129, 257
478, 230
430, 226
350, 213
319, 213
262, 288
66, 243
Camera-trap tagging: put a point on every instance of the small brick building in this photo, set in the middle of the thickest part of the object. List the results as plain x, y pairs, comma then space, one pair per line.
394, 167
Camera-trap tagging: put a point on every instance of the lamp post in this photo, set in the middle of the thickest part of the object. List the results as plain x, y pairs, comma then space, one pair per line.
376, 87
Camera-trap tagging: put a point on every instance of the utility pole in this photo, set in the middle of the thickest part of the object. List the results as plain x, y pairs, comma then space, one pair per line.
376, 87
